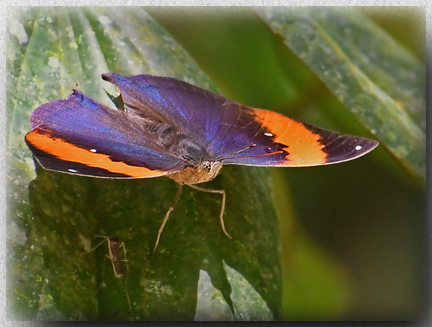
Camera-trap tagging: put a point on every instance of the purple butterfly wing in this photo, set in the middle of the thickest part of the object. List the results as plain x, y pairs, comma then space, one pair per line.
194, 111
234, 133
220, 125
80, 136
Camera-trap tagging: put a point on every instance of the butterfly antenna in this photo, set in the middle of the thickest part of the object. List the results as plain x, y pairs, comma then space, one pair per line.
237, 151
258, 155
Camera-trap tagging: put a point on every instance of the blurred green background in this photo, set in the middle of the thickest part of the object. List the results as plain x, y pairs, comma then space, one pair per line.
352, 235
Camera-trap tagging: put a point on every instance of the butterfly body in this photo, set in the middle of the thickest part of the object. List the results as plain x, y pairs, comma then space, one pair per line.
204, 172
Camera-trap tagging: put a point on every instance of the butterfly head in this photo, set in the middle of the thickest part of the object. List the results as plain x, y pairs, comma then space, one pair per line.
205, 171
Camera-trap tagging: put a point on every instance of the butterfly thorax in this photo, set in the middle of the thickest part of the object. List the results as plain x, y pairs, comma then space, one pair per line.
204, 172
198, 166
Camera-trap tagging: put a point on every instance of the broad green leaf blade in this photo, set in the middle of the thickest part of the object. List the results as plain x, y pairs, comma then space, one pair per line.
380, 82
54, 219
255, 308
211, 304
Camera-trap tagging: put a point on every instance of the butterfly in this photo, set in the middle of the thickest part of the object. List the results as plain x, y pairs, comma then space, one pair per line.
167, 127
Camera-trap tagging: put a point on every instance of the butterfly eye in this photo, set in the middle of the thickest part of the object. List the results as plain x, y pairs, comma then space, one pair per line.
206, 165
190, 151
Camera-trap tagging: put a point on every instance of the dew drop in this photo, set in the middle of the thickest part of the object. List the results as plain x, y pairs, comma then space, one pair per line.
358, 147
72, 170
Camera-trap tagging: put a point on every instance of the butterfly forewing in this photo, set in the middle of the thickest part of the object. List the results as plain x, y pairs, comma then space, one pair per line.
282, 141
235, 133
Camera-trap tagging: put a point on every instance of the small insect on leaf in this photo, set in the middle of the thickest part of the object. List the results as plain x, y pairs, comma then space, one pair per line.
114, 253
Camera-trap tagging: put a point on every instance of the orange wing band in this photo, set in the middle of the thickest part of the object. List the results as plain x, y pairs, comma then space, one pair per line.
66, 151
303, 146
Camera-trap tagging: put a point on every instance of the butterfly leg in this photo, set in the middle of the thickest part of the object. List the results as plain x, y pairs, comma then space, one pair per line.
202, 189
171, 208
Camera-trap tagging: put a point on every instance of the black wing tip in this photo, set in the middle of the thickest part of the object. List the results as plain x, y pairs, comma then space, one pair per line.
366, 144
348, 148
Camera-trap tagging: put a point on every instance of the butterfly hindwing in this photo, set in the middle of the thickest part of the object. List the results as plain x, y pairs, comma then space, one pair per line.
81, 136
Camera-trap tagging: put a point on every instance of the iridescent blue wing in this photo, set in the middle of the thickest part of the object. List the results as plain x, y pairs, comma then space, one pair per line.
234, 133
80, 136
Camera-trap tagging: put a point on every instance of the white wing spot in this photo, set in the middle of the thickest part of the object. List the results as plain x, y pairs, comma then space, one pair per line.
93, 150
72, 170
268, 134
358, 147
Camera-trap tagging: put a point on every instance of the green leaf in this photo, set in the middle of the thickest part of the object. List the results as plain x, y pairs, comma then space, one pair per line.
212, 305
52, 221
378, 80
